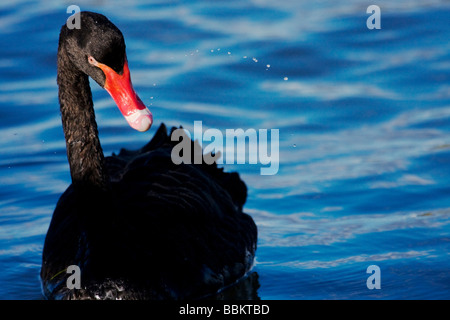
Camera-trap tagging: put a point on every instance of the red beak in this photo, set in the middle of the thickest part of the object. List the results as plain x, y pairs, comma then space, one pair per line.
121, 90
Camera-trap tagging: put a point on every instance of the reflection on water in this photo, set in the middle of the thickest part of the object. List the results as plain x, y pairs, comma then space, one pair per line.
363, 117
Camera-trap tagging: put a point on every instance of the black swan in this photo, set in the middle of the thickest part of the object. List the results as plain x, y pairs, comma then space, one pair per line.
137, 225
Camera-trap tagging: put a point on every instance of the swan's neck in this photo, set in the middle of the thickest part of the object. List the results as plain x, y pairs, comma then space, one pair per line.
84, 151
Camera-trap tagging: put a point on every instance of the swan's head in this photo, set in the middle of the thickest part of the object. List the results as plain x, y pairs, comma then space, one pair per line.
98, 49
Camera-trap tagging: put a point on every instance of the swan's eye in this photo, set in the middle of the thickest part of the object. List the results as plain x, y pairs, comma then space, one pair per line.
92, 61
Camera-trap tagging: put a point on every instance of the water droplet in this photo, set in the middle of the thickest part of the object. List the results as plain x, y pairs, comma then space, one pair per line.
268, 66
254, 59
294, 145
286, 79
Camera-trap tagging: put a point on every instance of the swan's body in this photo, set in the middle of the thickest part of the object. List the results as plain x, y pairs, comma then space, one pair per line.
137, 225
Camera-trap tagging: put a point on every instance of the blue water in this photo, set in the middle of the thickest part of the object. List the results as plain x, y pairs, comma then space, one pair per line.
363, 118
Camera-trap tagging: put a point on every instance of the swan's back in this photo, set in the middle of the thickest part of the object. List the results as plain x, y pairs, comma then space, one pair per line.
162, 231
